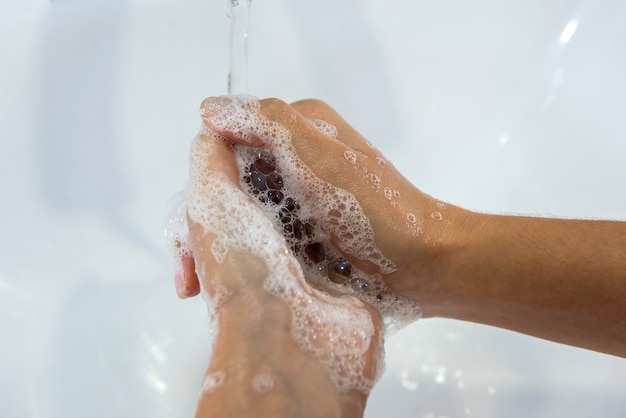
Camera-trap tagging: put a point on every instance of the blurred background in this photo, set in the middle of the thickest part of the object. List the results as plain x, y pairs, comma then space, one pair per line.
497, 106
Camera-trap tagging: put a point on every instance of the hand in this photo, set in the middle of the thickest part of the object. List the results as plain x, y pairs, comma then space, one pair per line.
557, 279
410, 228
458, 264
273, 326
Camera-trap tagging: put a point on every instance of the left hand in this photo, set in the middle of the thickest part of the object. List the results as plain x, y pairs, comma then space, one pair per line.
340, 335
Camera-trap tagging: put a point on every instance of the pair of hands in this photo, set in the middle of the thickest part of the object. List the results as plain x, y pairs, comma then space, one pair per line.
556, 279
400, 215
236, 277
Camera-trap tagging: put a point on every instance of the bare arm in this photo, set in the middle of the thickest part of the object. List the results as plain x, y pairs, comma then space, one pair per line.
282, 348
562, 280
256, 369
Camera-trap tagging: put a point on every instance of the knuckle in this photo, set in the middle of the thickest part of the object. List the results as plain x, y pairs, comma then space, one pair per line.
278, 111
274, 108
312, 107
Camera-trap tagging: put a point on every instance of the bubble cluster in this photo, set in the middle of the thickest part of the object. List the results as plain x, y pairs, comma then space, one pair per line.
309, 243
262, 383
324, 210
238, 223
177, 232
303, 229
213, 381
374, 179
324, 127
388, 193
392, 196
412, 226
350, 157
436, 216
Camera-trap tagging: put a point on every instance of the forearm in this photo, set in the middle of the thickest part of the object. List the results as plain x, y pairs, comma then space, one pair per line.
562, 280
262, 373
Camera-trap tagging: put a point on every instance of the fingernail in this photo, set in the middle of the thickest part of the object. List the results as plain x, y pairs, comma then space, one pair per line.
179, 281
232, 116
215, 110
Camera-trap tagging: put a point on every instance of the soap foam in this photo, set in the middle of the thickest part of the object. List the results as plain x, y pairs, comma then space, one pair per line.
212, 381
338, 213
325, 127
350, 157
336, 330
319, 321
177, 232
262, 383
241, 117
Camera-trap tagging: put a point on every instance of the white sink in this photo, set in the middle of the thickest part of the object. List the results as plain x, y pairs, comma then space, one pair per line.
491, 105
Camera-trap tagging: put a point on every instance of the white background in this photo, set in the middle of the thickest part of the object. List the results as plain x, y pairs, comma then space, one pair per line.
478, 103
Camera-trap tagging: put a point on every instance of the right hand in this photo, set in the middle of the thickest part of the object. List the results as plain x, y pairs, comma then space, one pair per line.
409, 225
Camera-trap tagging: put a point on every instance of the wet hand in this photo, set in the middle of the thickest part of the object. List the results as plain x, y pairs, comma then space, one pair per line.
407, 224
256, 289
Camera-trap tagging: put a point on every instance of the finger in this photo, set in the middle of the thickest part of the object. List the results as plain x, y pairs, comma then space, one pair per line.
230, 118
216, 210
314, 109
273, 124
186, 280
308, 140
209, 154
249, 121
348, 163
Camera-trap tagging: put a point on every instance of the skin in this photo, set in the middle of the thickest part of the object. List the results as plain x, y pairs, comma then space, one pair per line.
254, 328
561, 280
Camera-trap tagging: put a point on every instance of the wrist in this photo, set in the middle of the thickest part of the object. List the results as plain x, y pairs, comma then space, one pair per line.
453, 262
441, 232
262, 371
